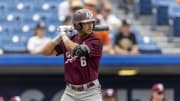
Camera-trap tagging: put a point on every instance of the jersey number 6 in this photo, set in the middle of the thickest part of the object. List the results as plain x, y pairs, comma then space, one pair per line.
83, 61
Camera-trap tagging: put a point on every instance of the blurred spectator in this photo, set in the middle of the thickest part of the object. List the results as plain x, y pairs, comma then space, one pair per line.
101, 4
104, 36
67, 7
37, 42
127, 5
125, 40
106, 16
109, 95
76, 5
64, 9
67, 20
91, 5
158, 92
178, 1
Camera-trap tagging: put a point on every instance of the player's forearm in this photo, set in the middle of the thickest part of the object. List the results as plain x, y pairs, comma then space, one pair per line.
70, 45
48, 49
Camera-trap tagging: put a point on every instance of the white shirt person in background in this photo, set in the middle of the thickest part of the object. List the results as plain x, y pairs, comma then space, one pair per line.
68, 7
107, 17
37, 42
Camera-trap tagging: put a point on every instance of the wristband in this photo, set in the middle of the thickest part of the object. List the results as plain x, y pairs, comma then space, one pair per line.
64, 36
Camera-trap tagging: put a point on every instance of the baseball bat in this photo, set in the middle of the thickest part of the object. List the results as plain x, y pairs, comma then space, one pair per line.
71, 29
96, 28
101, 28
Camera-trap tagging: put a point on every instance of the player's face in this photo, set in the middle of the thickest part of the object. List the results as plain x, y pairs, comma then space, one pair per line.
87, 27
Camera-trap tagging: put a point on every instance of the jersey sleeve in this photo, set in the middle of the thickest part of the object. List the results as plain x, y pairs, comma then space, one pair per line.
59, 48
94, 47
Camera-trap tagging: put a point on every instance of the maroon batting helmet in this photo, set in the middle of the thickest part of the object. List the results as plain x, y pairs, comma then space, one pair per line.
82, 16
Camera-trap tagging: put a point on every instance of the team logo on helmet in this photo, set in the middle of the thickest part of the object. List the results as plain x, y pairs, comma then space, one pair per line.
89, 15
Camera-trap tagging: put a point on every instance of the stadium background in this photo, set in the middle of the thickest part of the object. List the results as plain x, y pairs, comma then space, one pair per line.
41, 78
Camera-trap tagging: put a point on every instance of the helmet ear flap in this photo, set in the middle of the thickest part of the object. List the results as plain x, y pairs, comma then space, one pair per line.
78, 26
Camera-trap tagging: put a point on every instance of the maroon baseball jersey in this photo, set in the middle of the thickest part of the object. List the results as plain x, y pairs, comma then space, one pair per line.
80, 70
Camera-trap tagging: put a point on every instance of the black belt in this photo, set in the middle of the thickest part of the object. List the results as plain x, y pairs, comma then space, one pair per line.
81, 88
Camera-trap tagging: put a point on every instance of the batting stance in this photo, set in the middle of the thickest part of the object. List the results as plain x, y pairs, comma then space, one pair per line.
82, 53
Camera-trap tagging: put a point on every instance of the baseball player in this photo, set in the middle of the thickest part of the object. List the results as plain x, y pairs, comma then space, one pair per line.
82, 53
158, 92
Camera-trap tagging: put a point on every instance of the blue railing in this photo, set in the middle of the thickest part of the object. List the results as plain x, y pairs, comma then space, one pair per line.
31, 60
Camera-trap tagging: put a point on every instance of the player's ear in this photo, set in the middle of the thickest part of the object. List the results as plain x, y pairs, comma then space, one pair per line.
80, 26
